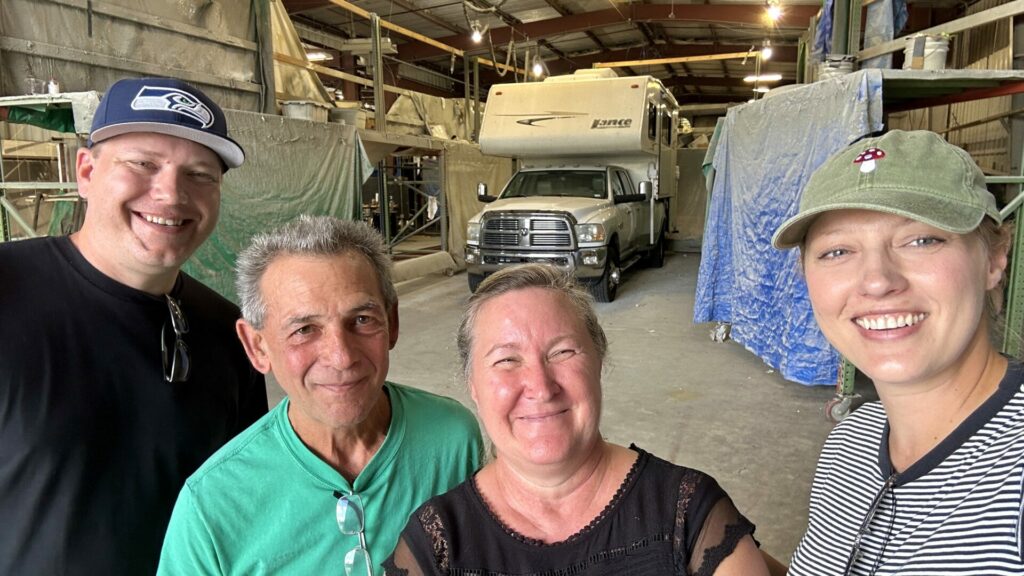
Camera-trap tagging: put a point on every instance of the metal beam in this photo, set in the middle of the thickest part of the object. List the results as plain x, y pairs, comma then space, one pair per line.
380, 113
965, 96
704, 109
796, 16
713, 98
711, 81
300, 63
439, 47
426, 15
563, 11
327, 39
677, 60
1000, 12
782, 53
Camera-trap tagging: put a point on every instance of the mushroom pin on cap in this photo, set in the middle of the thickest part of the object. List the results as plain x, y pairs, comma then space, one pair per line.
867, 158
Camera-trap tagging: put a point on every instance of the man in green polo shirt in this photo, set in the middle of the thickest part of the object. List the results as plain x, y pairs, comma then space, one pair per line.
325, 482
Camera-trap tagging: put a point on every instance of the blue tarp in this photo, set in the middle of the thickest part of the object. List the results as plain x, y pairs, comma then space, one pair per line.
766, 152
884, 19
822, 44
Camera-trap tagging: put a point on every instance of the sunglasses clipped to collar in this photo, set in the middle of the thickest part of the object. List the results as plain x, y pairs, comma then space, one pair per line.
866, 527
351, 518
175, 353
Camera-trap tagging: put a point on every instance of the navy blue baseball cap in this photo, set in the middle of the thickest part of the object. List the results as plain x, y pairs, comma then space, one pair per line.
165, 106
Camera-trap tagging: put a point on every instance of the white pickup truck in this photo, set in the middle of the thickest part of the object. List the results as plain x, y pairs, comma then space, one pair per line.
597, 169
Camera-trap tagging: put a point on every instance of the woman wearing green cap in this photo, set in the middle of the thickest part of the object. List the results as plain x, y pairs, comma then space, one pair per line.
904, 258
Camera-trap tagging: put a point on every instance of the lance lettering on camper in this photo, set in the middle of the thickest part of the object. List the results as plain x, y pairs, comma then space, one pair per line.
611, 123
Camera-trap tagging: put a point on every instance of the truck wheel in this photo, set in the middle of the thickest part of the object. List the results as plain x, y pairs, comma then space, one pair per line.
604, 289
474, 281
656, 255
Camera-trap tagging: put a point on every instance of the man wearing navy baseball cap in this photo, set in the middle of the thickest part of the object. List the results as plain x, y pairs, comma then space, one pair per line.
119, 374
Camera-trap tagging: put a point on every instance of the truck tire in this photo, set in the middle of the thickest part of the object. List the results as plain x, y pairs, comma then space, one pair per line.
655, 257
474, 281
604, 289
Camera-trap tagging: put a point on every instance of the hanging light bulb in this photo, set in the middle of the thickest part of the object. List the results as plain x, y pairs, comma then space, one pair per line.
538, 67
477, 34
766, 51
773, 11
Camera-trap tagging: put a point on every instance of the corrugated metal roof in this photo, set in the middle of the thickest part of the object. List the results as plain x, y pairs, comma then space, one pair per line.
572, 34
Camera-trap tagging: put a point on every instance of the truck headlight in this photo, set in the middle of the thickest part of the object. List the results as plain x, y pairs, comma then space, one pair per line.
473, 232
590, 232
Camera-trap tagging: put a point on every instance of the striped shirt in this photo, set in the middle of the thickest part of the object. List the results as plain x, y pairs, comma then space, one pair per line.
955, 511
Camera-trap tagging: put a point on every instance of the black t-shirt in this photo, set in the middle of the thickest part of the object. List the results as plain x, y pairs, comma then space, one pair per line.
94, 443
664, 520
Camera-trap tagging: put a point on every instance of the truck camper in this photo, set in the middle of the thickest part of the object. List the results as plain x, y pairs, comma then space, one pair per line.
596, 158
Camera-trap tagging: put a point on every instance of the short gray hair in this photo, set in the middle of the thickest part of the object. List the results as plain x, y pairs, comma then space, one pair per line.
308, 236
522, 277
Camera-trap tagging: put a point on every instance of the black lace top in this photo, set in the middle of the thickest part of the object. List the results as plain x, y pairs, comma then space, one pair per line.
664, 519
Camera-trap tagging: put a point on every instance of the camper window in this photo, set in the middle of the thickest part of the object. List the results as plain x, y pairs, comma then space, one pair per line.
652, 121
666, 126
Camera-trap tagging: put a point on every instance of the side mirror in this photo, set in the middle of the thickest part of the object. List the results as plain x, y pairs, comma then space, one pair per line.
646, 189
482, 195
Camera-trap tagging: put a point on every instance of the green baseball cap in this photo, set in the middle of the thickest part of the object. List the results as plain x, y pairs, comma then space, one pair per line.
916, 174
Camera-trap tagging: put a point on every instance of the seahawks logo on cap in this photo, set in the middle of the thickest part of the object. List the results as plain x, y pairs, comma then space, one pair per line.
173, 100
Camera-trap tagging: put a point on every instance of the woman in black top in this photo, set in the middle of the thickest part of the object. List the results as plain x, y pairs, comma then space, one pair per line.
558, 499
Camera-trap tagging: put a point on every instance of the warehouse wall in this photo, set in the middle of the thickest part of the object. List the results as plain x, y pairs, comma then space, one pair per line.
691, 201
987, 47
88, 45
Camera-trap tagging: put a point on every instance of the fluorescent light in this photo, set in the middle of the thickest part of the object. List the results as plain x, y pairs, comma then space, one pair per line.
318, 56
763, 78
761, 89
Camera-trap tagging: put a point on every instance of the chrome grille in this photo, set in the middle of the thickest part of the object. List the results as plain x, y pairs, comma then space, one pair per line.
501, 232
550, 240
549, 225
528, 231
503, 224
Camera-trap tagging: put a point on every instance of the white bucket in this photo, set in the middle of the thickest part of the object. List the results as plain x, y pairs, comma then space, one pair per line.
835, 65
933, 56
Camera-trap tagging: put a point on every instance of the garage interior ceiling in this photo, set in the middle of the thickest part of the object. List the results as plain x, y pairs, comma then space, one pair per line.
574, 34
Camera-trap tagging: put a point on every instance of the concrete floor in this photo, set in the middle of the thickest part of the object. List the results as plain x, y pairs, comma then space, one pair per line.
667, 388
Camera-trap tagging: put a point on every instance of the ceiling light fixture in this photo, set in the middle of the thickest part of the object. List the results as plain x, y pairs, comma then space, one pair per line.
766, 50
761, 89
318, 56
773, 11
763, 78
477, 31
538, 67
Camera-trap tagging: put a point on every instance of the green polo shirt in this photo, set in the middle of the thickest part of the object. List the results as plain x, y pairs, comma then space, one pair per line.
265, 504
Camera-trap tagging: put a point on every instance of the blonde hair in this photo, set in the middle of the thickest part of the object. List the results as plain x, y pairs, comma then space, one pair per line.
995, 238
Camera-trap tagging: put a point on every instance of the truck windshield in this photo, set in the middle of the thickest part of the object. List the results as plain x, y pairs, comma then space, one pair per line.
573, 183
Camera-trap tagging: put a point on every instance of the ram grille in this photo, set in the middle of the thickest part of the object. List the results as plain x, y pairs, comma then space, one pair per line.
533, 231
